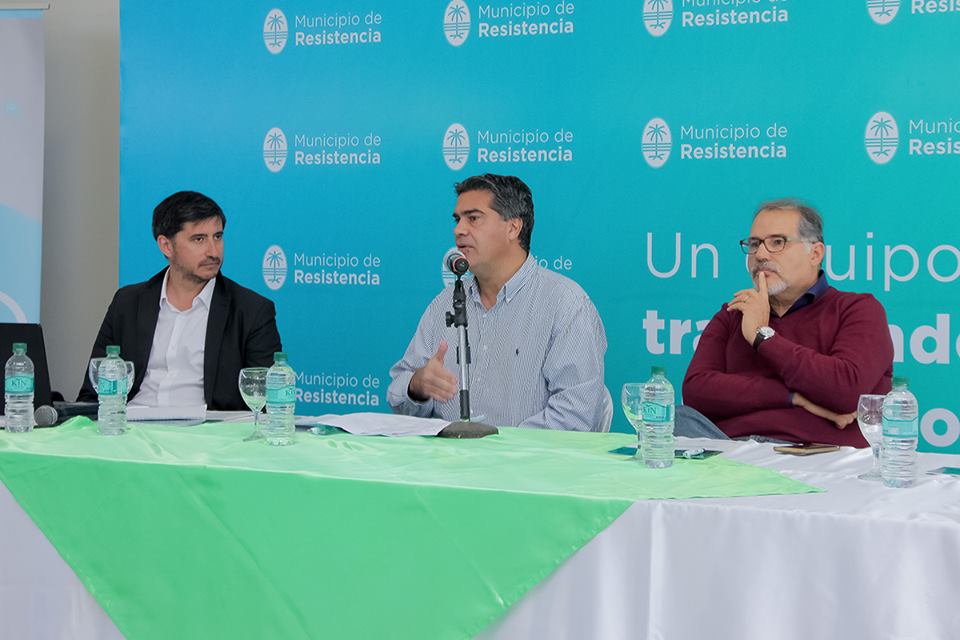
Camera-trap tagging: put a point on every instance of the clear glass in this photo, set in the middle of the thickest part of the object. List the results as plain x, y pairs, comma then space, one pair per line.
94, 368
631, 400
870, 419
253, 389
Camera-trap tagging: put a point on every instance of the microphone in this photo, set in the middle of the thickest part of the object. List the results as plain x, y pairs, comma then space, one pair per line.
45, 416
457, 263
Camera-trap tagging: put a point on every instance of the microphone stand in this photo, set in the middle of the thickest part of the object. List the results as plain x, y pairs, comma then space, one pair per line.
463, 428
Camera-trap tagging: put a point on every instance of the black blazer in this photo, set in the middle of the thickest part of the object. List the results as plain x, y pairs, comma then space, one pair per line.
241, 332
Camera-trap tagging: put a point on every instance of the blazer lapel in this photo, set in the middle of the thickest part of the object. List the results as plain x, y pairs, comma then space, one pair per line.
216, 323
148, 311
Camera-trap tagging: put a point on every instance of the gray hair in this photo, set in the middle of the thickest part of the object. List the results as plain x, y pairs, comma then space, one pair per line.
810, 227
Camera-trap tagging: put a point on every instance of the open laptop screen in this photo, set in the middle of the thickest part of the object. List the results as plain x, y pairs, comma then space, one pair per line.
32, 335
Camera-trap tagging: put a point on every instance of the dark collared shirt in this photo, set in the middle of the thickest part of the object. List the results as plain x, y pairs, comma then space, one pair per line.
811, 295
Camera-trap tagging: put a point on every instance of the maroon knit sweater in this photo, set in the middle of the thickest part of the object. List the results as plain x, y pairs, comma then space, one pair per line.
830, 351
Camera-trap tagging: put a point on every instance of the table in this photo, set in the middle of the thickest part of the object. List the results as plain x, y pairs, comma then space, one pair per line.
722, 568
857, 561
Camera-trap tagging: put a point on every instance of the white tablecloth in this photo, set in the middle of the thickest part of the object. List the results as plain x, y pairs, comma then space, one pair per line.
858, 561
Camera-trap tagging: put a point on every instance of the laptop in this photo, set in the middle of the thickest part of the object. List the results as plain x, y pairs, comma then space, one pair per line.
32, 335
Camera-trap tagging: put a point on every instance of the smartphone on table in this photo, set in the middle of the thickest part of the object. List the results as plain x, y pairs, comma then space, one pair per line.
806, 448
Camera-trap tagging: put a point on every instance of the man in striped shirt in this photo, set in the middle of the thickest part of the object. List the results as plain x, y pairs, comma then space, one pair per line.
537, 342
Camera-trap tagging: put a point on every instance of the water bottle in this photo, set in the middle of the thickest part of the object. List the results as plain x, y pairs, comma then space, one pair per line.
657, 406
112, 393
18, 391
278, 428
898, 453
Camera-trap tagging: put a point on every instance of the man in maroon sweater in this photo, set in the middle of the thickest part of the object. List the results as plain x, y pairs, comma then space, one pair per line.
788, 358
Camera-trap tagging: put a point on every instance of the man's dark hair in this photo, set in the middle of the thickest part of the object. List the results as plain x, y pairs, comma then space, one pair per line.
183, 206
511, 199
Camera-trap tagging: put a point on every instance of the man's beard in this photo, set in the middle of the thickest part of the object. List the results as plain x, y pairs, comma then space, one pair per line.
772, 289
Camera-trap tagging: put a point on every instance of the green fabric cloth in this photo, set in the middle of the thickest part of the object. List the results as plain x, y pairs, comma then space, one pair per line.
191, 533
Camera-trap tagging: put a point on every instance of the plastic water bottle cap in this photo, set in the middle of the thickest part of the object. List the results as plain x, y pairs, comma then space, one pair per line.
901, 381
656, 370
113, 350
19, 348
280, 356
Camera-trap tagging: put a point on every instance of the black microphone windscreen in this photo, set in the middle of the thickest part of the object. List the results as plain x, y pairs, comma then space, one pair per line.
457, 263
45, 416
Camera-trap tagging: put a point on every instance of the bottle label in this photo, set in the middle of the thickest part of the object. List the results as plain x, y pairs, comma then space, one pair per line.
900, 428
110, 387
656, 412
282, 395
18, 384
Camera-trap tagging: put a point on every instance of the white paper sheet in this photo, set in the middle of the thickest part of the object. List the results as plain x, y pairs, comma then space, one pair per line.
241, 417
141, 413
380, 424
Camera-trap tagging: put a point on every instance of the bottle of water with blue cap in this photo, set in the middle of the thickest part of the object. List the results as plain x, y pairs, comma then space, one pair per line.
657, 406
18, 391
112, 394
279, 427
898, 451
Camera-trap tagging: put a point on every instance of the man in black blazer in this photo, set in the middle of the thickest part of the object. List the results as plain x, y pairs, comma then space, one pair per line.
188, 329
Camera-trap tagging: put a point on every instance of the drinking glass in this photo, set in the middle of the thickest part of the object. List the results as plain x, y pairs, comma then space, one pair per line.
869, 417
253, 388
631, 400
93, 371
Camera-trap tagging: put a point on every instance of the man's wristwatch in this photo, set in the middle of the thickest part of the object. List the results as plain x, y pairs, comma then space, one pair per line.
763, 333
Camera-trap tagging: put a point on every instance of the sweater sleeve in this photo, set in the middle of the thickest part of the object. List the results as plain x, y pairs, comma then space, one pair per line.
860, 355
712, 391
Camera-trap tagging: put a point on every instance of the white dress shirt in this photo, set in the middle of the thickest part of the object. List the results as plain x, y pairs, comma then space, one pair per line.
174, 376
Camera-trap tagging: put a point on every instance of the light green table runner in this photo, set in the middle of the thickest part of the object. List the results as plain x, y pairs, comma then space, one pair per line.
192, 533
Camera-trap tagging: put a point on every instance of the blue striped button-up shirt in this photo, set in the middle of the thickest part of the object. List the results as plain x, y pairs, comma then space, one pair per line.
537, 355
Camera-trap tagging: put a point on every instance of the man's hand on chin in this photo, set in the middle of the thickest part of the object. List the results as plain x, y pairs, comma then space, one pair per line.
754, 304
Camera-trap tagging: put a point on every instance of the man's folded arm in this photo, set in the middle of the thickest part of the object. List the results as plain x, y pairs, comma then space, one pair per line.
794, 424
855, 363
712, 391
573, 369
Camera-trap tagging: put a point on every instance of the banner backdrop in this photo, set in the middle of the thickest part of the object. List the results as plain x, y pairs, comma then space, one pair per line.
21, 164
332, 133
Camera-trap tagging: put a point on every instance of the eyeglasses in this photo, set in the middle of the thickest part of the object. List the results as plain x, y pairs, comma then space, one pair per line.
774, 243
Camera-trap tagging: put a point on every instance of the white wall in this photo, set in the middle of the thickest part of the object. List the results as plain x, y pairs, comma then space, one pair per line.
81, 181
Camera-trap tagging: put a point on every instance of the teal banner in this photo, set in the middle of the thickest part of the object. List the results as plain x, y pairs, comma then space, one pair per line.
332, 133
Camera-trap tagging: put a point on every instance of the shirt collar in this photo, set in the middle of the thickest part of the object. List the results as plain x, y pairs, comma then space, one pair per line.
812, 294
205, 295
513, 285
